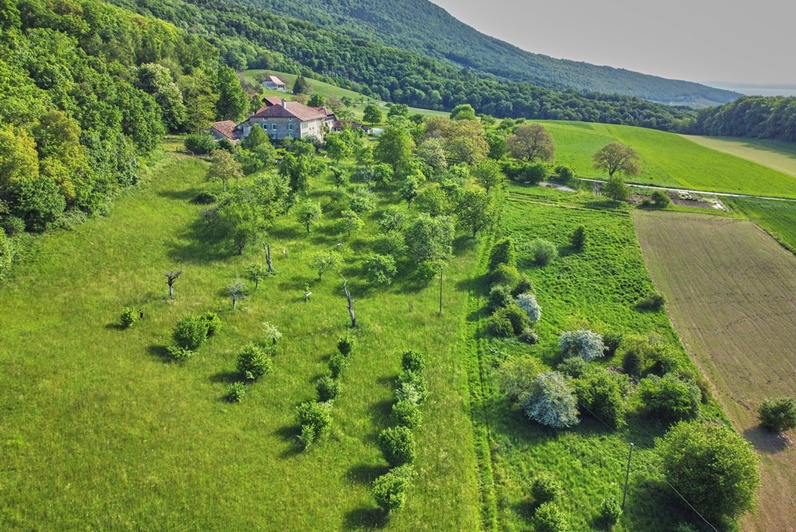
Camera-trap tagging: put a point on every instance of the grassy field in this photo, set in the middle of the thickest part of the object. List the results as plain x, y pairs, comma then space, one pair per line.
730, 293
669, 160
777, 218
778, 155
328, 90
596, 289
100, 431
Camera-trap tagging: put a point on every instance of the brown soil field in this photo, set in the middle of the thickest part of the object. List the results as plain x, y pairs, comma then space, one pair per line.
731, 294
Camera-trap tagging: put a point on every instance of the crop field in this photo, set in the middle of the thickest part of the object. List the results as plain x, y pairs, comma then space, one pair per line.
730, 294
777, 218
101, 431
669, 160
594, 289
780, 156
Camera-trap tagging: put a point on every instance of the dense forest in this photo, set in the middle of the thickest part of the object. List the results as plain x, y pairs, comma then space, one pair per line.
251, 37
86, 89
753, 116
424, 28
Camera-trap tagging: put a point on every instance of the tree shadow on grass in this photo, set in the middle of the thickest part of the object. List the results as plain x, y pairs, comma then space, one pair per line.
766, 442
226, 377
289, 434
160, 352
366, 473
526, 509
365, 518
185, 195
200, 245
287, 233
114, 326
464, 244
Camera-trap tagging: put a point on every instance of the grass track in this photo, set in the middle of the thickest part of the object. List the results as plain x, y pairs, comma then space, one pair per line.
98, 431
730, 293
669, 160
778, 155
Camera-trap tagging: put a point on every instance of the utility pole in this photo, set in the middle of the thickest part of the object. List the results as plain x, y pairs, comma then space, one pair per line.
627, 476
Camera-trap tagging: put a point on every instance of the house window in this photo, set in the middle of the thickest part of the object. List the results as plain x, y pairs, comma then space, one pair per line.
290, 126
304, 125
273, 126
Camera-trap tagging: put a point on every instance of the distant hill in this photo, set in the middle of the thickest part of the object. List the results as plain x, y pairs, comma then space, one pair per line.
425, 28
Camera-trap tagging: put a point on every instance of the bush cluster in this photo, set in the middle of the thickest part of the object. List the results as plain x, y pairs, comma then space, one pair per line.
670, 397
190, 333
583, 343
652, 301
778, 415
128, 318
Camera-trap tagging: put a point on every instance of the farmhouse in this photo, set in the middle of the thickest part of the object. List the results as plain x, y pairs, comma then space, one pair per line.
226, 129
287, 120
274, 83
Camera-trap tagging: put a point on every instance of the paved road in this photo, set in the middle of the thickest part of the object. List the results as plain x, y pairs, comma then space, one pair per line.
722, 194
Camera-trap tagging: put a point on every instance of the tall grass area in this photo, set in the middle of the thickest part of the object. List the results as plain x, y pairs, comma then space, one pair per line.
593, 289
101, 431
777, 218
668, 160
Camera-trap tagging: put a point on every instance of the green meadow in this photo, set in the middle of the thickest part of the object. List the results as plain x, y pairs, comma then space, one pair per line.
100, 430
668, 160
594, 289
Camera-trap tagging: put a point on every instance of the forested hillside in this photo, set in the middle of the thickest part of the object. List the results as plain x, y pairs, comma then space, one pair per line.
752, 116
85, 90
424, 28
247, 35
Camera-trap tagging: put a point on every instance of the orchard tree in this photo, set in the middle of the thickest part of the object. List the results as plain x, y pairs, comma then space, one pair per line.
256, 137
778, 415
337, 147
711, 466
531, 142
309, 214
255, 272
463, 111
583, 343
170, 278
324, 262
236, 292
224, 168
395, 146
476, 210
372, 114
432, 152
617, 157
551, 401
232, 102
351, 221
410, 189
316, 100
488, 174
616, 189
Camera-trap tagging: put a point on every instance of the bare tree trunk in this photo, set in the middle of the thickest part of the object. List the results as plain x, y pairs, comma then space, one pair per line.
350, 304
267, 248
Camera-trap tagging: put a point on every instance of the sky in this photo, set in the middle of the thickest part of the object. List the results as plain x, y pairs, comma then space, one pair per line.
697, 40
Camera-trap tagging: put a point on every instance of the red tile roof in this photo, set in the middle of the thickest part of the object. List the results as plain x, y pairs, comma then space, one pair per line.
290, 110
272, 100
226, 128
275, 80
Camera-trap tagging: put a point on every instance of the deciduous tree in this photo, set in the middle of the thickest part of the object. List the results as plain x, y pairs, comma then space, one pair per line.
617, 157
531, 142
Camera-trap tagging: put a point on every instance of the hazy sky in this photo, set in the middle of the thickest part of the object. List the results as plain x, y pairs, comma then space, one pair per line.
696, 40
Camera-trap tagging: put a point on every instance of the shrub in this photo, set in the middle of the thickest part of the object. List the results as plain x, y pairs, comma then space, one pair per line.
573, 367
407, 392
314, 419
542, 252
392, 244
583, 343
528, 336
235, 392
661, 360
564, 173
413, 361
611, 342
416, 381
190, 332
545, 488
380, 269
200, 144
578, 237
504, 274
128, 317
499, 297
346, 344
337, 362
389, 490
652, 301
778, 415
610, 511
550, 518
551, 401
527, 302
713, 468
179, 354
213, 322
518, 318
254, 362
13, 225
670, 397
406, 413
523, 286
328, 388
397, 444
516, 376
599, 394
503, 252
661, 199
498, 325
205, 198
634, 355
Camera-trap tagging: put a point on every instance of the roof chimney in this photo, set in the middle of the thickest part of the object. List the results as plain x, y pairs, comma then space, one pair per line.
284, 103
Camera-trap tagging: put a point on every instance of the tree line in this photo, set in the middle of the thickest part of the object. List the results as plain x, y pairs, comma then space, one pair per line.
752, 116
